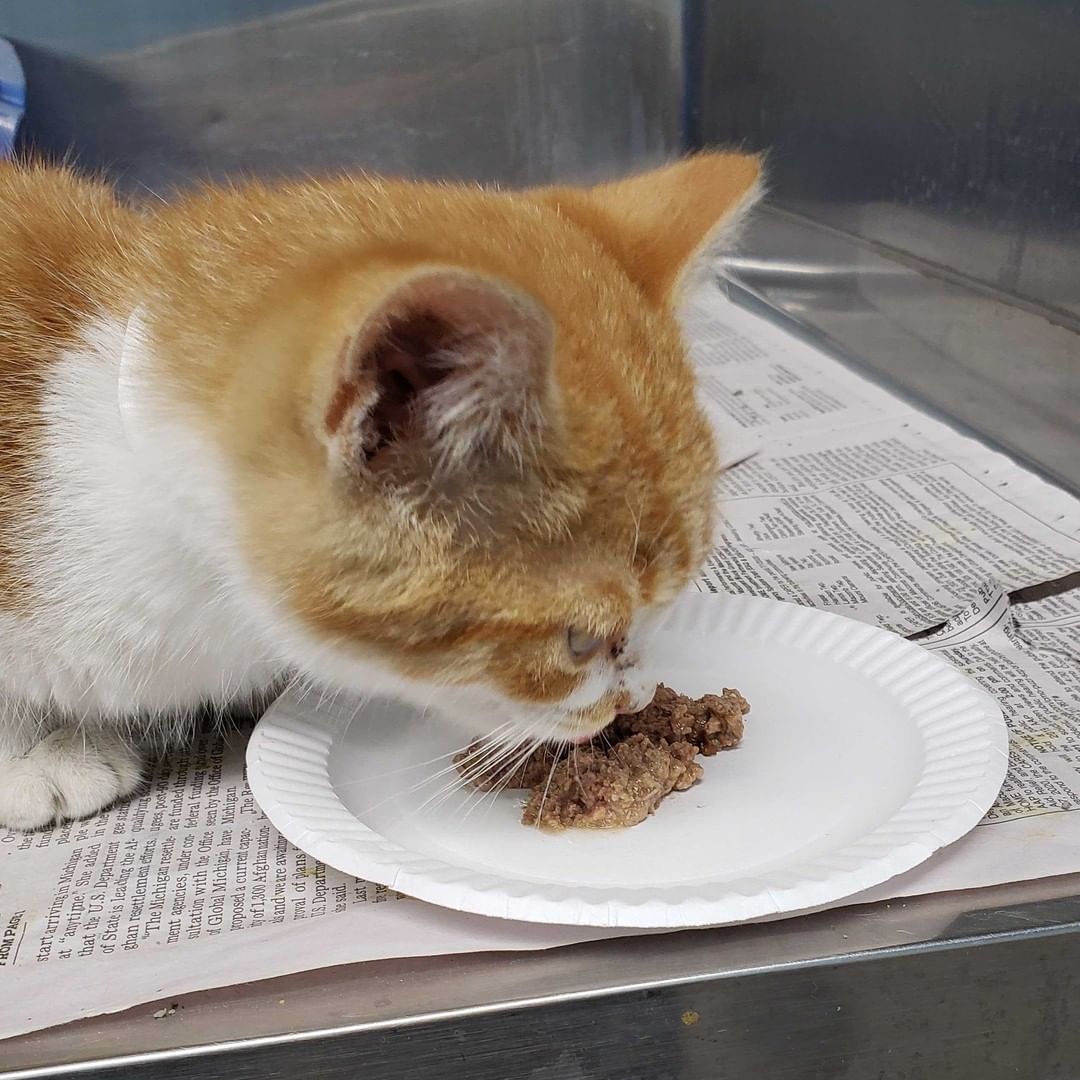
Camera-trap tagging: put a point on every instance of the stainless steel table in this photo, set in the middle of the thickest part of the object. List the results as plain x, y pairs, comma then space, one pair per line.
971, 986
980, 986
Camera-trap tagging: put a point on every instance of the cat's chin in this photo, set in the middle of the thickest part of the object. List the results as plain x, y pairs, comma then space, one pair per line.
581, 725
480, 712
477, 710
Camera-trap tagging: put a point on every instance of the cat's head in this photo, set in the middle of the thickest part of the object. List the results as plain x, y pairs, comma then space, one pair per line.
474, 466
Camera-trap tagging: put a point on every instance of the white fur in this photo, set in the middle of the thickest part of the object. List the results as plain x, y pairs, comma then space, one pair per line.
490, 390
133, 613
134, 625
144, 609
70, 773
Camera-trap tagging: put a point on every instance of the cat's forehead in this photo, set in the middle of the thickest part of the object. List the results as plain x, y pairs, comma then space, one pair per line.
609, 564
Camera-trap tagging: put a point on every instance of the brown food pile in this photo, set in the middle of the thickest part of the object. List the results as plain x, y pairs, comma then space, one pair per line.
620, 777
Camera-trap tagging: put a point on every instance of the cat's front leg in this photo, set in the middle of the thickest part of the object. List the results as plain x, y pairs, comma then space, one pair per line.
71, 771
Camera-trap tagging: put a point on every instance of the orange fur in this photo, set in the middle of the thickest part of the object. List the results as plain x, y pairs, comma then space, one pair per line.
60, 239
273, 312
659, 224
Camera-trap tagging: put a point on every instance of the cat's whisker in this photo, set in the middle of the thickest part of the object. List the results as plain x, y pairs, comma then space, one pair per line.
499, 761
464, 777
636, 517
556, 758
449, 754
530, 746
357, 781
508, 776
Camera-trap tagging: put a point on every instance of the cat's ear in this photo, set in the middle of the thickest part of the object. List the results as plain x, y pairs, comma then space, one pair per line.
668, 225
448, 370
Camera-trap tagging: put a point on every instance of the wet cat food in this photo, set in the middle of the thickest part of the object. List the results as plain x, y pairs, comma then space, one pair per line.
620, 777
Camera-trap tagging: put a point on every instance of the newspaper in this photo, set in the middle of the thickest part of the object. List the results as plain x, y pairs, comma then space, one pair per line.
190, 887
845, 498
855, 501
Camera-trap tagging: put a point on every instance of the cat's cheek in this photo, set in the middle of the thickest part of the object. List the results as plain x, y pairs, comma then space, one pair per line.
597, 681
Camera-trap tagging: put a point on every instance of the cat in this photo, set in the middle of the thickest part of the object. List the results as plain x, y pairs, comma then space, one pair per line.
415, 439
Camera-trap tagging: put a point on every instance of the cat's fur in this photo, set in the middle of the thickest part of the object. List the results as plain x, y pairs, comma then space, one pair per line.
400, 438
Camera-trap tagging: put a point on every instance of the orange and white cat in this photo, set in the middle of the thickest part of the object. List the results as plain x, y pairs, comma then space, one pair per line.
412, 439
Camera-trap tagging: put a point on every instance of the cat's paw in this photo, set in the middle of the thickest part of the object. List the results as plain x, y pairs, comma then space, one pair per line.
72, 773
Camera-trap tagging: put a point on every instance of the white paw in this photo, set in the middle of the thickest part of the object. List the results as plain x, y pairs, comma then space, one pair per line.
72, 773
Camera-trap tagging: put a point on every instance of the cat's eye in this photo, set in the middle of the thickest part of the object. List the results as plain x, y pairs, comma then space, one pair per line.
582, 644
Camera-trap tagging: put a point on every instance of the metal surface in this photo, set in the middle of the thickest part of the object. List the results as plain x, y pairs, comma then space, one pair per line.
513, 91
928, 158
1004, 369
947, 130
968, 985
940, 144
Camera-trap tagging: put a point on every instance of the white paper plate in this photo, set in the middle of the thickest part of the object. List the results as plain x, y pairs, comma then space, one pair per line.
863, 755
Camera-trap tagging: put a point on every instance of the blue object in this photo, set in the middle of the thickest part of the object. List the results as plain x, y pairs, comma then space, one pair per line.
12, 97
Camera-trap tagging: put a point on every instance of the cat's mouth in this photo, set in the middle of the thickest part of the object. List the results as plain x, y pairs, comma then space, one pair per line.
581, 725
